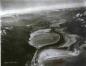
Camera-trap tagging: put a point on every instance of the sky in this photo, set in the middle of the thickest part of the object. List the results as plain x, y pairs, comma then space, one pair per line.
11, 4
30, 6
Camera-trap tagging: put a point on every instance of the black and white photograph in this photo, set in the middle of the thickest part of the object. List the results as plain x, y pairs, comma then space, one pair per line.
43, 32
